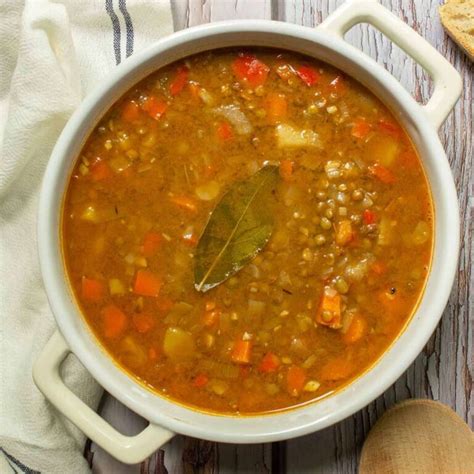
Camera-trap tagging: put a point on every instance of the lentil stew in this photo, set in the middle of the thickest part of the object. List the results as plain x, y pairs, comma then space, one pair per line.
314, 273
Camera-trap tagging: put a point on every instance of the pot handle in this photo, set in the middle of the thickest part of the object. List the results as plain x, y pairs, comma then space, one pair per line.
127, 449
447, 81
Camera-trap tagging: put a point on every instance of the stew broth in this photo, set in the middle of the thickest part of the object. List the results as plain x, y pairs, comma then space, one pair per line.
349, 248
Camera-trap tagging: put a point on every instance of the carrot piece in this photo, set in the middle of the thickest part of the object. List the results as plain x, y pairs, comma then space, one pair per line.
360, 128
211, 318
249, 69
154, 107
91, 289
369, 217
184, 202
338, 85
329, 311
179, 81
130, 111
381, 173
200, 380
390, 128
210, 305
143, 322
151, 243
147, 283
286, 170
100, 170
277, 106
224, 131
308, 75
356, 330
241, 351
295, 379
344, 232
269, 363
336, 369
114, 320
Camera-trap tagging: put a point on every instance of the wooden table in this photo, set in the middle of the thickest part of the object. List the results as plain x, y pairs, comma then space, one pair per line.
444, 370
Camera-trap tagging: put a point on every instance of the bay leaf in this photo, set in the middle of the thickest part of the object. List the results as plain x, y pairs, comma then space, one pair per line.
238, 229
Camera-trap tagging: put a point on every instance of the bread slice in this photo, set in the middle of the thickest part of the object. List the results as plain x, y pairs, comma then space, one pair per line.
457, 17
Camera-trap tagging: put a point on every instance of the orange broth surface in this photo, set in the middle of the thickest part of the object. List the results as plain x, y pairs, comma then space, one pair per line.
338, 280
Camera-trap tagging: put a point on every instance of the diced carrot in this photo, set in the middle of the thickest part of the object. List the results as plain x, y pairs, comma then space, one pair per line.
356, 330
152, 353
114, 321
390, 128
130, 111
224, 131
151, 243
378, 267
329, 311
269, 363
143, 322
308, 75
100, 170
241, 351
277, 106
185, 203
344, 232
338, 85
369, 217
147, 283
249, 69
285, 71
336, 369
200, 380
381, 173
92, 289
154, 107
360, 128
210, 318
210, 305
295, 379
179, 81
286, 170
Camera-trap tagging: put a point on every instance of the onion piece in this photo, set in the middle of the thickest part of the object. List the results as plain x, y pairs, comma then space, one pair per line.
236, 117
205, 96
357, 271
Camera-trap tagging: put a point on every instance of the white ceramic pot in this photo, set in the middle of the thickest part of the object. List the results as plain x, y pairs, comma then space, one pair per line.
166, 418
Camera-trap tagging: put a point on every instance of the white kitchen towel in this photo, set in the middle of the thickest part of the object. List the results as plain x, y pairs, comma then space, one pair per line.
52, 54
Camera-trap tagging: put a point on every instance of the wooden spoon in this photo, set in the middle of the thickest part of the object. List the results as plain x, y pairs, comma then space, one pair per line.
419, 436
